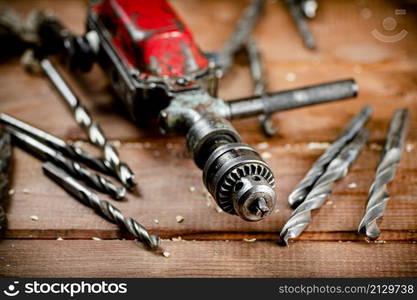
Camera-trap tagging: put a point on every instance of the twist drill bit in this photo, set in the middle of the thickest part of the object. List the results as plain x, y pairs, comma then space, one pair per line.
298, 12
93, 130
68, 149
378, 194
240, 35
102, 207
260, 84
5, 158
319, 167
301, 216
46, 153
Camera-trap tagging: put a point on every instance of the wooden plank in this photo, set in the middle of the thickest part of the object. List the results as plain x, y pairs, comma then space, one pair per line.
206, 259
165, 196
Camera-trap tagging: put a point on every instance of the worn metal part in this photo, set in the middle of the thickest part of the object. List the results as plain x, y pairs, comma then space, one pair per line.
291, 99
378, 194
46, 153
319, 167
240, 35
299, 10
102, 207
93, 130
260, 84
338, 168
68, 149
5, 162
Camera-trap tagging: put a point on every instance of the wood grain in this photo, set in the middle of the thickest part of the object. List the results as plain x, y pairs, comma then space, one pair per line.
386, 73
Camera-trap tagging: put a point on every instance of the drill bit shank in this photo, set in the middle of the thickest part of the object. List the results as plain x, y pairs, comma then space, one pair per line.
338, 168
93, 130
319, 167
46, 153
67, 149
390, 158
102, 207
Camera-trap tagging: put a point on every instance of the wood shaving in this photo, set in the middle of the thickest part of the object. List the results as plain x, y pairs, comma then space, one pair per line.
166, 254
179, 219
352, 185
262, 146
218, 209
34, 218
192, 189
59, 239
249, 240
317, 145
11, 192
94, 238
177, 239
156, 221
266, 155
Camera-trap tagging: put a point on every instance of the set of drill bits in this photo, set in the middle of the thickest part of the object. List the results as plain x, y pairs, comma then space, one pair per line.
313, 190
61, 165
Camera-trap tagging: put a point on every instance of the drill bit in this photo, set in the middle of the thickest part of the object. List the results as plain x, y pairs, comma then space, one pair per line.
102, 207
240, 35
93, 130
298, 12
258, 77
319, 167
378, 194
5, 158
338, 168
68, 149
46, 153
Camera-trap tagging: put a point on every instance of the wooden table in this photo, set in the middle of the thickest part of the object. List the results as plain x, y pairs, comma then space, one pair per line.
213, 243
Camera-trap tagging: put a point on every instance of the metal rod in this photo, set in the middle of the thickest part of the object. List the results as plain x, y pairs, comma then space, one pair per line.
378, 193
291, 99
93, 130
46, 153
68, 149
102, 207
338, 168
319, 167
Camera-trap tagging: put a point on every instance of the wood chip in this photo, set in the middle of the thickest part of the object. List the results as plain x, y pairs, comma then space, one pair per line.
179, 218
96, 238
192, 189
262, 146
409, 147
375, 147
266, 155
218, 209
166, 254
156, 221
59, 239
177, 239
249, 240
34, 218
352, 185
11, 192
317, 145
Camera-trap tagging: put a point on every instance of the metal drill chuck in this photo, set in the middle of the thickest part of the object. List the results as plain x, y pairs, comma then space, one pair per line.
235, 175
240, 181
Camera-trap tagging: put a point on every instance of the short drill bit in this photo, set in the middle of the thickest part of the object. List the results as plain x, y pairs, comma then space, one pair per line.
68, 149
338, 168
298, 13
260, 83
378, 194
240, 35
46, 153
5, 158
93, 130
319, 167
102, 207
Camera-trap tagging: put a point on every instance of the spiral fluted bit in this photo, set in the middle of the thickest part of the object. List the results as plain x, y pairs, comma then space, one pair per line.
378, 194
319, 167
102, 207
67, 149
338, 168
94, 180
94, 132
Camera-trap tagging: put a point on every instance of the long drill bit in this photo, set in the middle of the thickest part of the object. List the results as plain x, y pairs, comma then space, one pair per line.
260, 83
338, 168
378, 194
74, 168
319, 167
240, 35
68, 149
5, 158
102, 207
93, 130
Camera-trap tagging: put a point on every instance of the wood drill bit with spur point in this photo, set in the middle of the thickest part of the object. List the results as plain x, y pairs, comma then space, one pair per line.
338, 168
46, 153
68, 149
93, 130
319, 167
102, 207
378, 194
